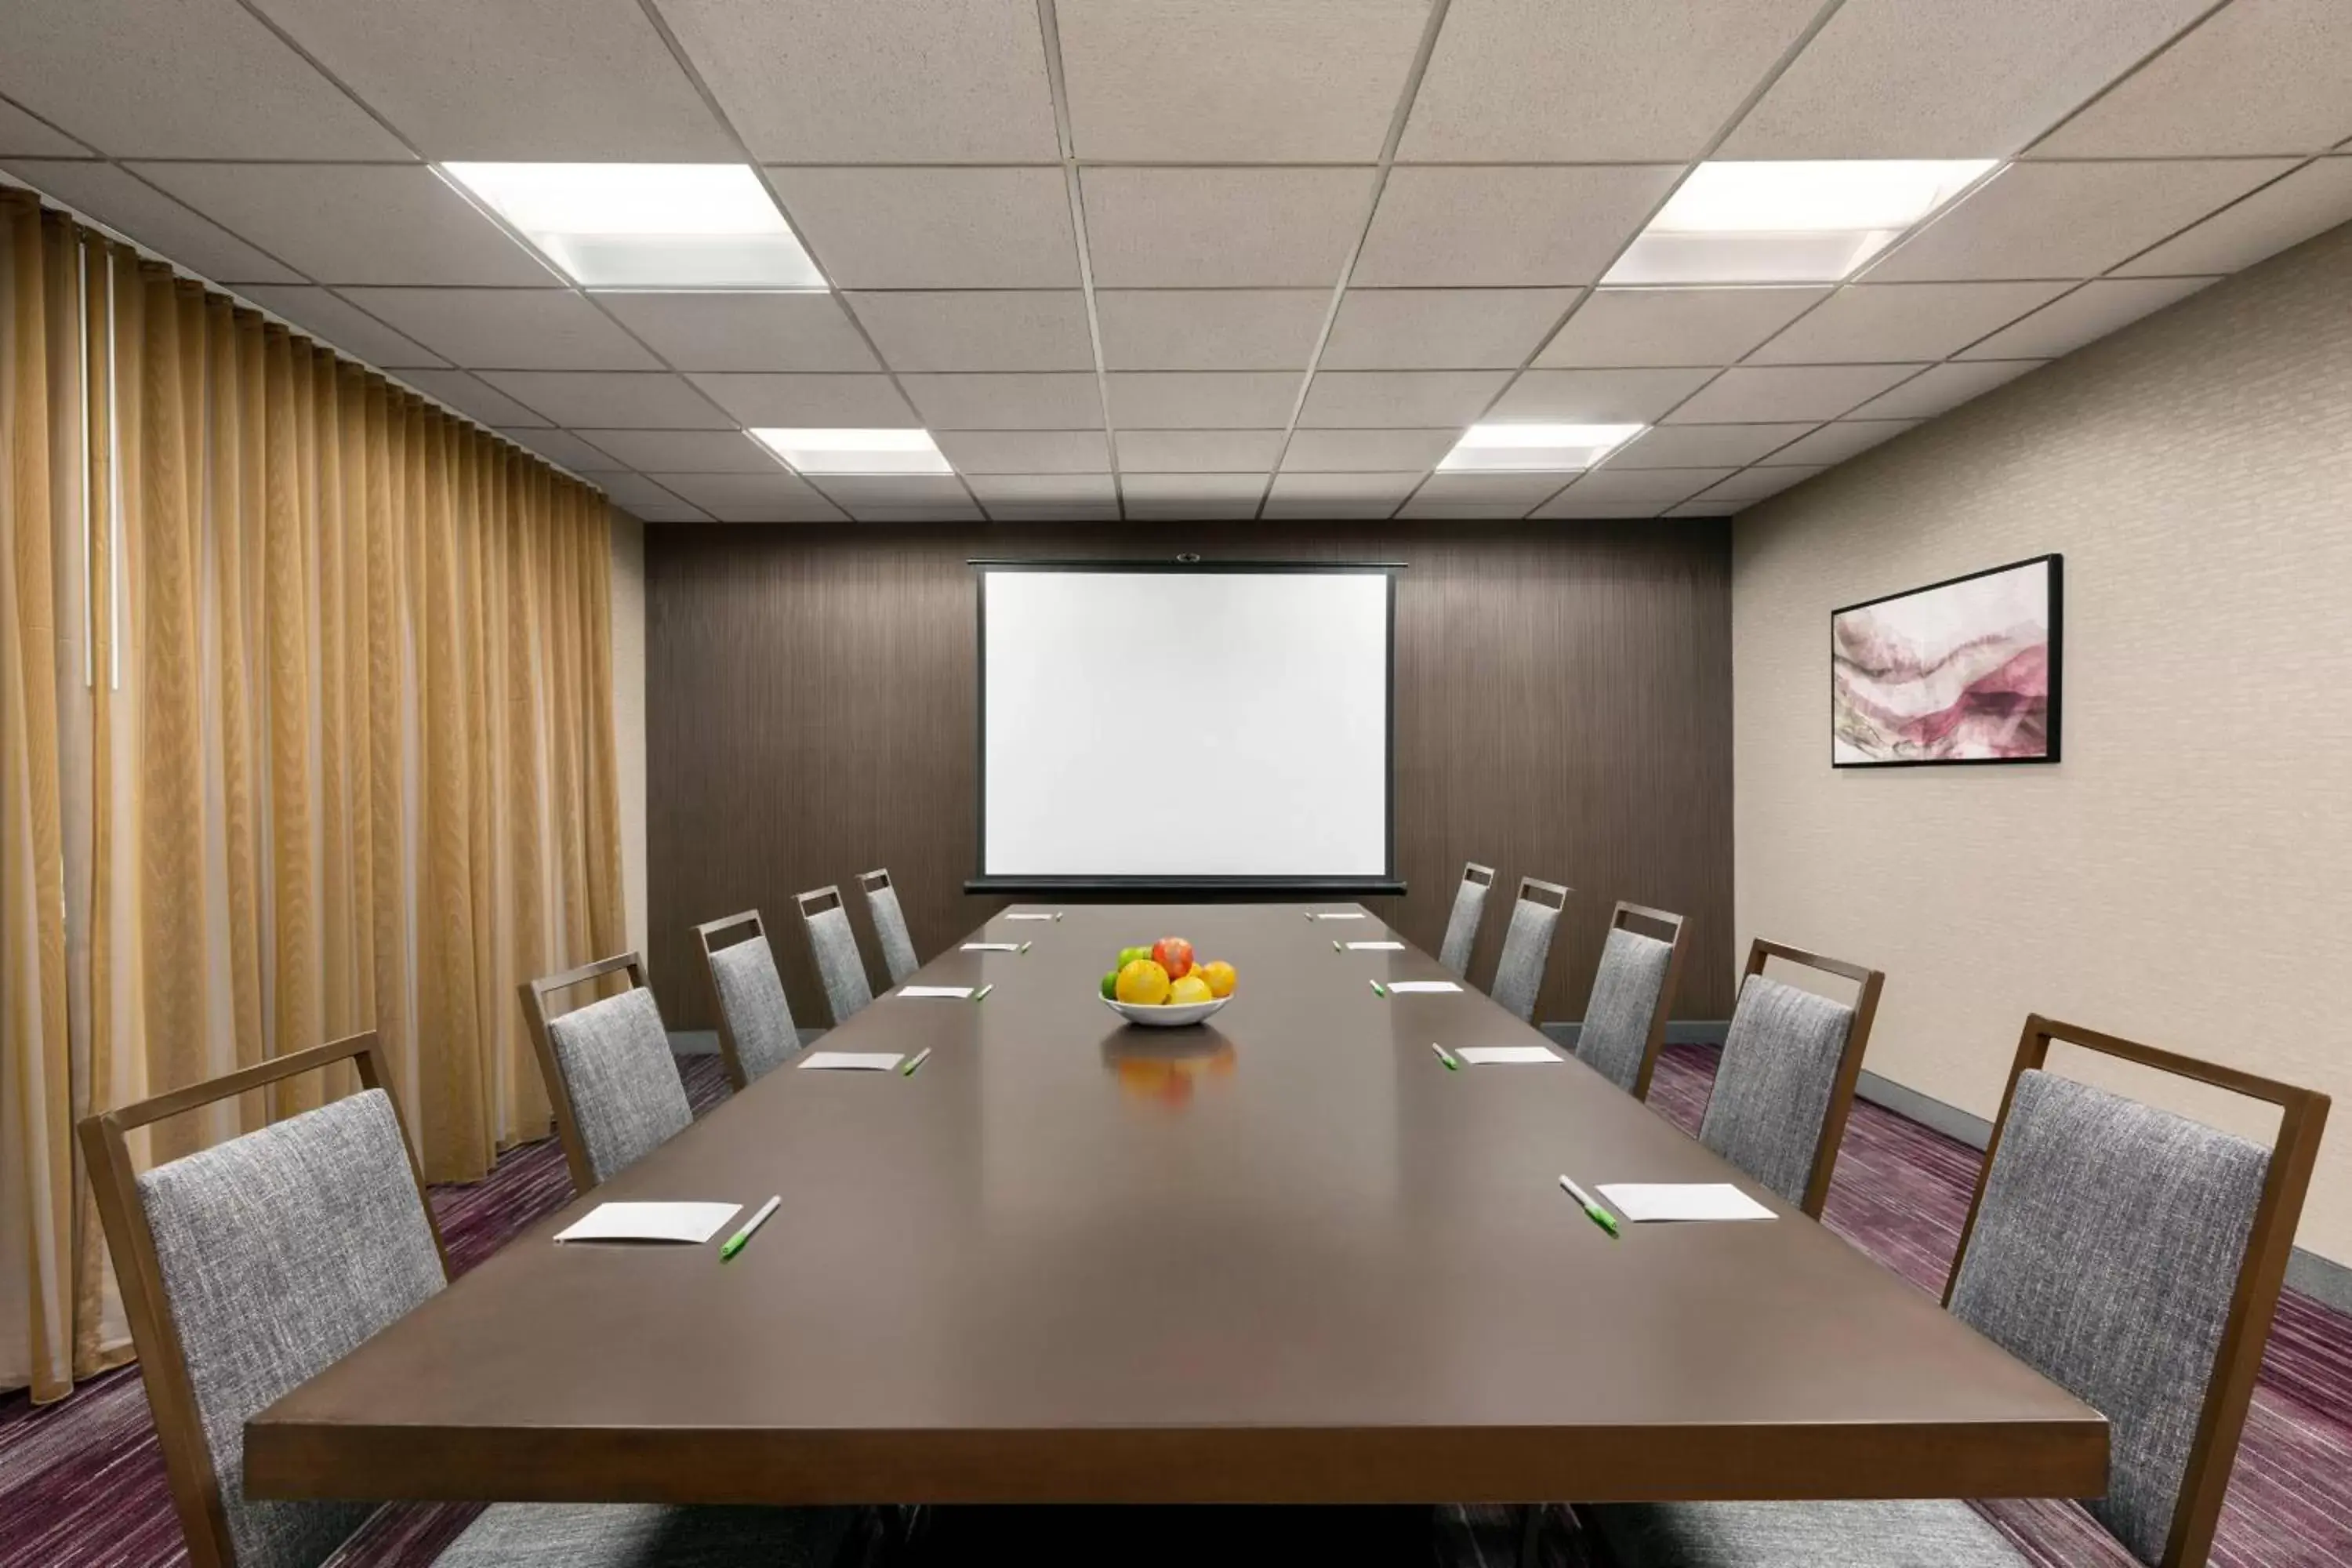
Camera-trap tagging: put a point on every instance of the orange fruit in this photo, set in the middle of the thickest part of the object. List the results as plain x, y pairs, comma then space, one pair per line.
1143, 983
1220, 976
1189, 990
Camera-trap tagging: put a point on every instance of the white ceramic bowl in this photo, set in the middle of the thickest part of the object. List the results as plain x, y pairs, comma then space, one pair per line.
1166, 1017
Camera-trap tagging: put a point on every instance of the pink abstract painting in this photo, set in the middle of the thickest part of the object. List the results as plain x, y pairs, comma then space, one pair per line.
1964, 671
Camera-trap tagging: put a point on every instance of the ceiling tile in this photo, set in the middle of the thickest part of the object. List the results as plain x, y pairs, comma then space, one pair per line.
979, 329
1353, 451
1755, 484
1202, 399
470, 397
1456, 227
2094, 310
1399, 398
1186, 497
1057, 400
1027, 452
200, 79
1673, 326
1339, 495
1198, 452
1210, 329
875, 81
664, 512
1788, 391
697, 331
2314, 198
1567, 507
1943, 386
1659, 487
1248, 228
1236, 81
115, 198
772, 497
685, 451
356, 223
1836, 443
1597, 396
561, 80
2068, 220
611, 400
1053, 512
1521, 490
858, 491
1422, 328
22, 136
2260, 76
799, 401
1043, 490
564, 447
1894, 79
508, 329
333, 320
633, 490
935, 229
1704, 446
1864, 321
967, 512
1535, 80
1703, 509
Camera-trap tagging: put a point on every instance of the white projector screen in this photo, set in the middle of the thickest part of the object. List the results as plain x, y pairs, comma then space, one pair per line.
1186, 726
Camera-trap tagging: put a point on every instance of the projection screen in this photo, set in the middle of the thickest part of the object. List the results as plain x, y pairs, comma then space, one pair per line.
1185, 727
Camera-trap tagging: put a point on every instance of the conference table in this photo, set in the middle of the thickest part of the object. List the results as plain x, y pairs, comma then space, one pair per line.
1285, 1256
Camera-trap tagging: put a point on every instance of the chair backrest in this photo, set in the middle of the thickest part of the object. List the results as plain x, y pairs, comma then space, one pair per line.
1633, 990
610, 1074
1461, 925
2135, 1256
838, 962
890, 925
756, 1032
1527, 946
1785, 1083
253, 1266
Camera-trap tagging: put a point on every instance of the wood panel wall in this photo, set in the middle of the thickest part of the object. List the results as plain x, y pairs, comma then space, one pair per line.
1563, 710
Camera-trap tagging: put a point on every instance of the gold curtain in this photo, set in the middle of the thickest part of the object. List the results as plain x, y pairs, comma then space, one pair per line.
307, 730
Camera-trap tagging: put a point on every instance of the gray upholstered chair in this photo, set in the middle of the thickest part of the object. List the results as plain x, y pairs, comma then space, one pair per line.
1633, 991
1785, 1083
252, 1267
2127, 1253
610, 1075
756, 1032
1527, 946
1462, 924
838, 962
890, 925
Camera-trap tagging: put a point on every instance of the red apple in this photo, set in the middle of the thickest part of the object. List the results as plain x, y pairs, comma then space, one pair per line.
1174, 954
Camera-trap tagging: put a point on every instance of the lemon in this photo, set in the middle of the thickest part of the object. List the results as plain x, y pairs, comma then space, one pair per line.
1189, 990
1143, 983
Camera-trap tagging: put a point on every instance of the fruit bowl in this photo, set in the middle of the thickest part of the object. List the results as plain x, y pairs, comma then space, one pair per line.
1167, 1015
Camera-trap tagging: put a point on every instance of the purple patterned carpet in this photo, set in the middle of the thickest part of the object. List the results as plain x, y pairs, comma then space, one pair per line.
81, 1484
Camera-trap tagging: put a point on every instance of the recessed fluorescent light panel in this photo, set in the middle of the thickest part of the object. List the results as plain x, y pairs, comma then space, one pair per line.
1534, 448
856, 451
647, 226
1788, 223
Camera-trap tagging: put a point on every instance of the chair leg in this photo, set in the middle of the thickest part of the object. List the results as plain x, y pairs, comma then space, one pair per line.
1531, 1534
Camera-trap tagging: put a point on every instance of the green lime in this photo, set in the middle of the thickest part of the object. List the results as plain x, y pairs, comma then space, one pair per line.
1110, 986
1128, 955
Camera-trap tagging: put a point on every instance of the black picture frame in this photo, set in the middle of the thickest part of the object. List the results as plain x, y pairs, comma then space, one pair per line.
2054, 564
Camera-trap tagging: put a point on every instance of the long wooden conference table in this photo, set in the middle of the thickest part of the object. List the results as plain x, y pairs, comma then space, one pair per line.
1284, 1258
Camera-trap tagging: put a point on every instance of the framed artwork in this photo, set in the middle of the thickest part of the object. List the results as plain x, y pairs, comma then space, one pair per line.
1960, 671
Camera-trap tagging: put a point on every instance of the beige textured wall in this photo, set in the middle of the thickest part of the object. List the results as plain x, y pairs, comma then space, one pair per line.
2185, 876
628, 597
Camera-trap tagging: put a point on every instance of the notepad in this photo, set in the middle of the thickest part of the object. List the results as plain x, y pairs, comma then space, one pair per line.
852, 1061
1376, 947
1507, 1056
693, 1223
1644, 1201
937, 993
1340, 915
1405, 985
994, 946
1047, 917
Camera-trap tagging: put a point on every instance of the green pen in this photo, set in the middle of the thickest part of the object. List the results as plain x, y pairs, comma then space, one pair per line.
1025, 947
734, 1244
1446, 1056
1336, 947
981, 995
1600, 1216
1377, 989
921, 1058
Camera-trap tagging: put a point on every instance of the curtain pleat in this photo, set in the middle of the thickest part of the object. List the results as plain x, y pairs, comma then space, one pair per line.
305, 728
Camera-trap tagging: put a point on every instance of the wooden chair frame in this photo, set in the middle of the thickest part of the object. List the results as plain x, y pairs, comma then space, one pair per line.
1621, 918
2230, 1386
535, 994
1849, 1070
729, 1051
162, 1360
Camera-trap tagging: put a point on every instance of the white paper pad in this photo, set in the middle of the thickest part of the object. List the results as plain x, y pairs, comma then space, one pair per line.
1401, 985
1032, 917
943, 992
1505, 1055
852, 1061
1340, 915
1376, 947
691, 1223
991, 947
1644, 1201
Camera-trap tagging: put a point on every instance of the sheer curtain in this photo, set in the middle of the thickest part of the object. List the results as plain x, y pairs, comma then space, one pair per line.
307, 730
